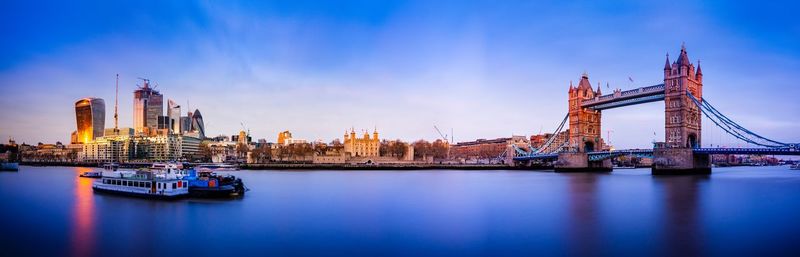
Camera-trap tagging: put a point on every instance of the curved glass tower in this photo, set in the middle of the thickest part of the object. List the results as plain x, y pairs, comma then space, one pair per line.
90, 114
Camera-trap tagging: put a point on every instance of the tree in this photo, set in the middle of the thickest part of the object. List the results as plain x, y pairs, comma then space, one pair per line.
440, 149
398, 149
320, 149
262, 154
422, 149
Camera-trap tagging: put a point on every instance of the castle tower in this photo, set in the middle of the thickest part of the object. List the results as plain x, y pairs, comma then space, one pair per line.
584, 123
682, 117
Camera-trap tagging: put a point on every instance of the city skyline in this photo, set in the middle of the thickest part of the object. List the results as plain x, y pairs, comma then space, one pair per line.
402, 67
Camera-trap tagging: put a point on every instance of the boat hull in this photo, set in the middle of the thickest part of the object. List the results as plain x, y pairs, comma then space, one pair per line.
217, 192
139, 195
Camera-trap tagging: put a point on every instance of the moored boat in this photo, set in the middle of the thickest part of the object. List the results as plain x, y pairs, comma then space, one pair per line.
795, 166
91, 174
145, 184
9, 166
204, 183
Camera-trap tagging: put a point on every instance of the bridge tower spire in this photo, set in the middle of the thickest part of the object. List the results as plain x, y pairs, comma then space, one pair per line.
682, 117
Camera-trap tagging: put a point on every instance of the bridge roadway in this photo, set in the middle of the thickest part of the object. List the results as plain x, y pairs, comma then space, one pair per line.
602, 155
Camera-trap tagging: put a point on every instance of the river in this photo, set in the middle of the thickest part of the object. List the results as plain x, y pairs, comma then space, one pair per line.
735, 211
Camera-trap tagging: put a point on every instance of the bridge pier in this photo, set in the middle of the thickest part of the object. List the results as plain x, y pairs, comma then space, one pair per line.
579, 162
680, 161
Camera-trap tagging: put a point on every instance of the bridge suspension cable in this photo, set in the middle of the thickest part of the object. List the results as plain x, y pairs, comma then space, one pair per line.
734, 128
552, 138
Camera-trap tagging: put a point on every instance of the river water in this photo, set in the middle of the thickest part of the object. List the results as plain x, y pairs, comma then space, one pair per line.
735, 211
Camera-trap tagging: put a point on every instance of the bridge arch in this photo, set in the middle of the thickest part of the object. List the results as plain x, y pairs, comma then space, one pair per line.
691, 141
588, 146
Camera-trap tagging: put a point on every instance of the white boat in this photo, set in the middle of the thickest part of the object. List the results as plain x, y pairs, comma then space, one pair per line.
795, 166
155, 184
164, 170
112, 166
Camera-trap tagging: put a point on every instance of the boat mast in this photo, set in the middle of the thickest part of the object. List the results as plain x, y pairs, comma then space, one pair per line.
116, 104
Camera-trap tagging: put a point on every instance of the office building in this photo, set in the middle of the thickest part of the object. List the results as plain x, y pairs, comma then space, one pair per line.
90, 114
148, 105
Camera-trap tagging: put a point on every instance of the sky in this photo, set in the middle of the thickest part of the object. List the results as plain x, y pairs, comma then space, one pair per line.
483, 69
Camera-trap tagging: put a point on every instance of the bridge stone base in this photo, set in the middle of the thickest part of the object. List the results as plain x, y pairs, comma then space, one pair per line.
579, 162
680, 161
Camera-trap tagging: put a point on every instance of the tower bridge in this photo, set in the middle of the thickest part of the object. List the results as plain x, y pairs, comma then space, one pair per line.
684, 107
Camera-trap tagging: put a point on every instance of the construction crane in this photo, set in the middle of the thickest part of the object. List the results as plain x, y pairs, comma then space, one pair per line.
245, 128
444, 137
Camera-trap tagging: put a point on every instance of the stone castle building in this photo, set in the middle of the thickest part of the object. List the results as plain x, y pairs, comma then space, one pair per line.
584, 123
361, 146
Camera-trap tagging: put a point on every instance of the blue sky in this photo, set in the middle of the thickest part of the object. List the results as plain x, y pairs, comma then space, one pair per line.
486, 69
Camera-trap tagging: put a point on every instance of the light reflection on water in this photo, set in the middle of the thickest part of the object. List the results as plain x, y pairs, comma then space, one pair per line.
83, 216
735, 211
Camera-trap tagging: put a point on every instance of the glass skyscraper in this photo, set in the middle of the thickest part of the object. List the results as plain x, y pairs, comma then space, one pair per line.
90, 114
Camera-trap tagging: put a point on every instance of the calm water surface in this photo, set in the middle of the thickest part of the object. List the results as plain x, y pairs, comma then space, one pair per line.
735, 211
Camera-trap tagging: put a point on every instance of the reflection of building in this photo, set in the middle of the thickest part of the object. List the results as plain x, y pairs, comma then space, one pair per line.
485, 149
90, 114
364, 146
148, 104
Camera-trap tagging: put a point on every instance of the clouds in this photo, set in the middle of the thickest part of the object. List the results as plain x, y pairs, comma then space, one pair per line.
486, 69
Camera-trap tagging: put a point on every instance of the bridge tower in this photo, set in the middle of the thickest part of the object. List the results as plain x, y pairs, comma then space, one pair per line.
682, 116
584, 123
584, 132
682, 127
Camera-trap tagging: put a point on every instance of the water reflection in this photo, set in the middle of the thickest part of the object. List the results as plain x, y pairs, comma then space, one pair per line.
683, 229
583, 213
83, 216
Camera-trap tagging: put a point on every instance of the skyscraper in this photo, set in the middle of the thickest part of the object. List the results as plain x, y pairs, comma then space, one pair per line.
174, 114
148, 104
90, 114
197, 123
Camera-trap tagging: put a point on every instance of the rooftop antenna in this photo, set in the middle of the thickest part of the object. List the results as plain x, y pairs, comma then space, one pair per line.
116, 104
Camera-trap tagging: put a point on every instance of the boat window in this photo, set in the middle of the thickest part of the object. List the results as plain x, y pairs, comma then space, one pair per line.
147, 184
174, 185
